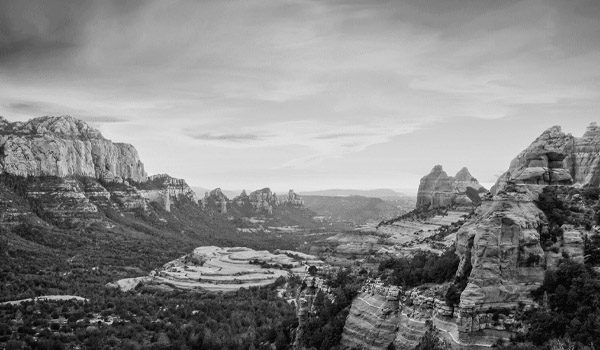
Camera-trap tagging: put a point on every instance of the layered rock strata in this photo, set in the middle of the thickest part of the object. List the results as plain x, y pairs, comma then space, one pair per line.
64, 146
165, 189
373, 319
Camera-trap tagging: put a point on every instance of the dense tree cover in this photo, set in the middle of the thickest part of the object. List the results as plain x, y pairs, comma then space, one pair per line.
570, 307
432, 340
566, 205
324, 329
249, 319
39, 258
424, 267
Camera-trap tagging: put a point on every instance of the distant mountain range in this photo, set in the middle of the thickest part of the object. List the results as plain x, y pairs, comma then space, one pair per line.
384, 193
376, 193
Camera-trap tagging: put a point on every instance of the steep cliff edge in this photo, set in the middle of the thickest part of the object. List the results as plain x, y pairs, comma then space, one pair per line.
164, 189
373, 319
64, 146
557, 158
437, 189
543, 210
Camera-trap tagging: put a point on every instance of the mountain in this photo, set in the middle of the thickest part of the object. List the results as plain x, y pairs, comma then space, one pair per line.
63, 146
377, 193
69, 197
437, 189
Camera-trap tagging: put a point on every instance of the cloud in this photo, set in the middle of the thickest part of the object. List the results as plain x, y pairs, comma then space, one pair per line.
226, 137
104, 119
305, 81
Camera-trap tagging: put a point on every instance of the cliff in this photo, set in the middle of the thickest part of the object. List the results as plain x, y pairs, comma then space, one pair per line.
437, 189
215, 201
164, 189
64, 146
373, 319
542, 210
557, 158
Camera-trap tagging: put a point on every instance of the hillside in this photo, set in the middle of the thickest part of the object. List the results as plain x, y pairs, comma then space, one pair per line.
78, 213
356, 209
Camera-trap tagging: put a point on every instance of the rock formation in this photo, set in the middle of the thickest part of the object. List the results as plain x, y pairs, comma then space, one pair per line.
372, 322
215, 201
164, 189
264, 200
503, 247
294, 199
502, 256
437, 189
63, 146
557, 158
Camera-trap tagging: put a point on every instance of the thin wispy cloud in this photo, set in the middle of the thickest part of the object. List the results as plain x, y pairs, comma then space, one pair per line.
226, 137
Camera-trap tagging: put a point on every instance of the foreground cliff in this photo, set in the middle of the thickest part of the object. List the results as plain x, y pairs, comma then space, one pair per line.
557, 158
63, 146
542, 211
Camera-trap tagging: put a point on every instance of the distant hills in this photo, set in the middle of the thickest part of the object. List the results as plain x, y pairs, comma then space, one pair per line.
376, 193
353, 209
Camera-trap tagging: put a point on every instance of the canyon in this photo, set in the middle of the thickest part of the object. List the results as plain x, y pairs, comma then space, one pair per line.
503, 257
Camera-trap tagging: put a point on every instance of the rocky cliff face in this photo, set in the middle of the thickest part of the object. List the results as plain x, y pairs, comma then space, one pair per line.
66, 202
437, 189
264, 200
164, 189
506, 247
557, 158
503, 246
215, 201
293, 199
373, 319
63, 146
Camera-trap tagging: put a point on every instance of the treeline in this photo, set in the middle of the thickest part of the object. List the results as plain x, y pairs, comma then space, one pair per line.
424, 267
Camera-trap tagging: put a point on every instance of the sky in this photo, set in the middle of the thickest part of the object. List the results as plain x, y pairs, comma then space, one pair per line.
307, 94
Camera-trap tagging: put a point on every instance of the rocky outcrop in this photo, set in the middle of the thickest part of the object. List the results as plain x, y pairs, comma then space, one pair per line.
437, 189
293, 199
164, 189
62, 201
372, 322
264, 200
557, 158
64, 146
503, 246
215, 201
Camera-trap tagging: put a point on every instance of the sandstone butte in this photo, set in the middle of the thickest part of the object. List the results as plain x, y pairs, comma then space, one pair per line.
499, 249
437, 189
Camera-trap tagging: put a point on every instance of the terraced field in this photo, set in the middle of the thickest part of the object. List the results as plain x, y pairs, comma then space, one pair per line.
217, 269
